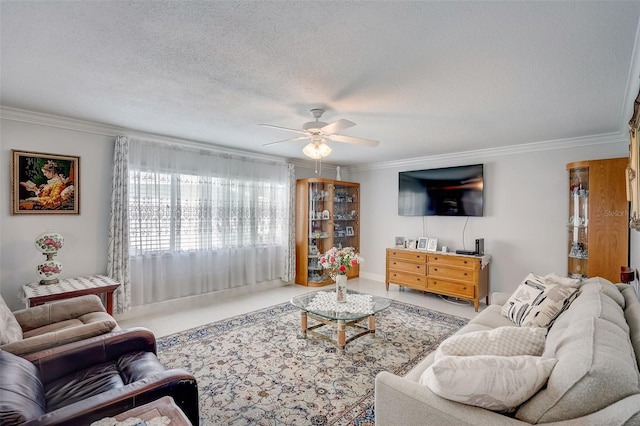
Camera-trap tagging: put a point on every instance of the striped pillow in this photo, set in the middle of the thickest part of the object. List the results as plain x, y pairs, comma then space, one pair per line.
537, 302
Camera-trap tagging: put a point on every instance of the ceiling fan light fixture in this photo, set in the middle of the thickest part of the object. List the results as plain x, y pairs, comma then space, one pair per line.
317, 149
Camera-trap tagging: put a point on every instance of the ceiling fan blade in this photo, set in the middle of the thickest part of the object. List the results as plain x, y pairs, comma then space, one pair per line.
337, 126
354, 140
284, 128
287, 140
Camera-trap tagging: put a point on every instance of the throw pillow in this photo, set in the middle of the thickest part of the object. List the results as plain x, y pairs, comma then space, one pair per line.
523, 298
493, 382
554, 300
501, 341
536, 303
10, 330
565, 281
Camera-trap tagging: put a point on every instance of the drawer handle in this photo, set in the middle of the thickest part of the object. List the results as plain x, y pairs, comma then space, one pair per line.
435, 258
465, 262
465, 274
418, 266
435, 269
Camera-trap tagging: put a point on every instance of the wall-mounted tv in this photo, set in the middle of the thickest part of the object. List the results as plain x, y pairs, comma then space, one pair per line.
449, 191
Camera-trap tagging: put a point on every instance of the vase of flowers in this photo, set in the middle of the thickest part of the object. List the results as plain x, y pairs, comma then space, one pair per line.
338, 262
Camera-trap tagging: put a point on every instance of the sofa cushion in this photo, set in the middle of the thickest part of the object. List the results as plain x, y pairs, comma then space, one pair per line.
496, 383
21, 392
605, 286
632, 315
61, 333
501, 341
10, 330
596, 367
536, 302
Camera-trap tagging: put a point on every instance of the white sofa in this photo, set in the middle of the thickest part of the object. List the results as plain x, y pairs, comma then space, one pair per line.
596, 380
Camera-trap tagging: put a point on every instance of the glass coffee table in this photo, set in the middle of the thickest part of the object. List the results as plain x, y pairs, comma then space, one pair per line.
323, 307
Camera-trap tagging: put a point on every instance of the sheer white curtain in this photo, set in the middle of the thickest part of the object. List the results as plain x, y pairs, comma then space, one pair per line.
203, 221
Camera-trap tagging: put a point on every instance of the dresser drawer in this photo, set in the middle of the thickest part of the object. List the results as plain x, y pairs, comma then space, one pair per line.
467, 275
418, 281
457, 261
448, 287
407, 255
412, 267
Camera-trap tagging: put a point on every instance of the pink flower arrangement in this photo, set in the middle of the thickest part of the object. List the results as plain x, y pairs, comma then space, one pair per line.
339, 261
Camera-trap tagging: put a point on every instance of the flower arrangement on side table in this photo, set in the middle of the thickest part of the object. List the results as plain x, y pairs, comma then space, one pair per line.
338, 262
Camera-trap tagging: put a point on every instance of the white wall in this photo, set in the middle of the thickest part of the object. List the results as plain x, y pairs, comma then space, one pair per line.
525, 212
86, 235
85, 248
524, 224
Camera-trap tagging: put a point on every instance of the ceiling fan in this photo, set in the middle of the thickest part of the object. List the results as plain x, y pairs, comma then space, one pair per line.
320, 132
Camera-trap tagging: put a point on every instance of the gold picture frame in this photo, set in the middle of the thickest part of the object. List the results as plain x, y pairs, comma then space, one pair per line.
43, 183
633, 191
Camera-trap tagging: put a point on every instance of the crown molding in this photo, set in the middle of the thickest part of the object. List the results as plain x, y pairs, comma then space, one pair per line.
73, 124
59, 122
581, 142
66, 123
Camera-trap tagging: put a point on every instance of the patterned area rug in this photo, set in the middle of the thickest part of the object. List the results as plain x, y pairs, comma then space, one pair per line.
256, 369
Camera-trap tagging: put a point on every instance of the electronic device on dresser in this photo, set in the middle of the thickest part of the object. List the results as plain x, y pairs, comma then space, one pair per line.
480, 247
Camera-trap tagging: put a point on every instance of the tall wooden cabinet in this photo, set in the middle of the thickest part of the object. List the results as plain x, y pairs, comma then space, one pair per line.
598, 243
327, 215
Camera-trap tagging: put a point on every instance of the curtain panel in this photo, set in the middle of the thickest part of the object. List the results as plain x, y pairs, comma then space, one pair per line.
118, 245
202, 221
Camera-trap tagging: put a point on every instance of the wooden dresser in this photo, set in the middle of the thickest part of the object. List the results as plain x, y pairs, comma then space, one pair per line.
442, 273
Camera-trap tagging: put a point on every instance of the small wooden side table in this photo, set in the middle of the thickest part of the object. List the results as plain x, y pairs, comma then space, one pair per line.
162, 407
34, 294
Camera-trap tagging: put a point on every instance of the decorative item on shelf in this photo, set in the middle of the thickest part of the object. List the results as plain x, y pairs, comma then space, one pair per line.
338, 262
422, 243
48, 243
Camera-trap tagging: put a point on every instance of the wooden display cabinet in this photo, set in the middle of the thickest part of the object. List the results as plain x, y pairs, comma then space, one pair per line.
327, 215
598, 243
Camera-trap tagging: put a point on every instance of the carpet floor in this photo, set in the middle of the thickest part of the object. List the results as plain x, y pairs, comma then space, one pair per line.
256, 369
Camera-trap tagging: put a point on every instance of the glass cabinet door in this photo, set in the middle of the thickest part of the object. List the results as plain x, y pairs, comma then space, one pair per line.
346, 227
578, 225
320, 231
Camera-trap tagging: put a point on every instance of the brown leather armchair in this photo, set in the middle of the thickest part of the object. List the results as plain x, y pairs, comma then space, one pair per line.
85, 381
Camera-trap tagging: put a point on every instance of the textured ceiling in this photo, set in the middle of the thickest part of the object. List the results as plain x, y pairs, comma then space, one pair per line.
424, 78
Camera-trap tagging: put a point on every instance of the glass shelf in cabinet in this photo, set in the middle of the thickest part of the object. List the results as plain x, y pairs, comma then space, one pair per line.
578, 257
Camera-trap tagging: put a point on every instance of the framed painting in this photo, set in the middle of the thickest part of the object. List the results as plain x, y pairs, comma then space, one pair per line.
44, 183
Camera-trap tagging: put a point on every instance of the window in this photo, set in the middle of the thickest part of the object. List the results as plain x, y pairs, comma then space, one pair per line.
180, 212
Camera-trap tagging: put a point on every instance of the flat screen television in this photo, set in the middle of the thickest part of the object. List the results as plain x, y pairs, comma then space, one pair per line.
448, 191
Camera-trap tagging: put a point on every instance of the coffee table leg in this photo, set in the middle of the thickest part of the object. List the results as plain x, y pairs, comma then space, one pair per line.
303, 323
341, 334
372, 323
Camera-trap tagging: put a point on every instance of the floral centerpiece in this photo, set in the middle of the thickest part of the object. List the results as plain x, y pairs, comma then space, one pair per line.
338, 262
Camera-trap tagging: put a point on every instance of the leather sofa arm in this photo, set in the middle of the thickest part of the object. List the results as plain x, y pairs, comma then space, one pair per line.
177, 383
62, 360
62, 310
